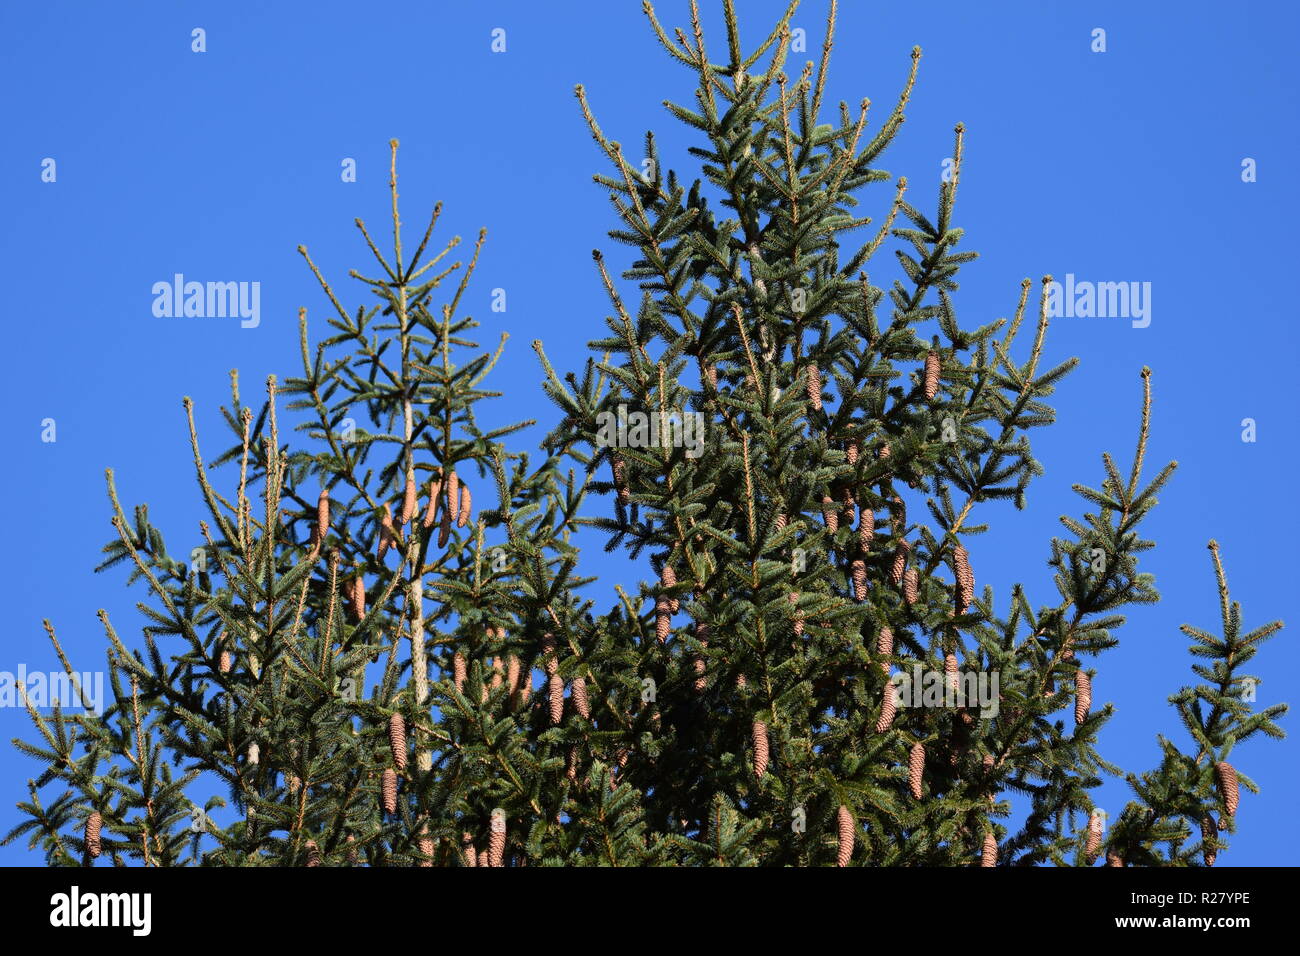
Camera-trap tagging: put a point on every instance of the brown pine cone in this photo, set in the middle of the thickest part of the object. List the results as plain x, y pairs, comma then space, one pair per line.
578, 694
356, 600
431, 512
466, 506
1209, 851
815, 387
911, 579
555, 698
387, 536
1082, 696
397, 741
798, 615
885, 642
388, 789
619, 469
512, 674
549, 663
458, 671
668, 579
781, 521
711, 373
888, 708
496, 845
866, 529
852, 451
931, 375
916, 769
353, 856
498, 677
571, 764
467, 849
1093, 847
225, 662
663, 620
830, 515
950, 671
1113, 858
761, 753
700, 666
900, 563
1227, 781
322, 516
94, 824
425, 845
858, 569
884, 450
965, 578
850, 512
846, 835
989, 854
444, 528
410, 502
313, 853
483, 858
453, 493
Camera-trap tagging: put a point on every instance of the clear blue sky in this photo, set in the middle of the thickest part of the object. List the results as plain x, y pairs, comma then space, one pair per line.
1115, 166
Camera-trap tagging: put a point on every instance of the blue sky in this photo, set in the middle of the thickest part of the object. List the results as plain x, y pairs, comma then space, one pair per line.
1115, 166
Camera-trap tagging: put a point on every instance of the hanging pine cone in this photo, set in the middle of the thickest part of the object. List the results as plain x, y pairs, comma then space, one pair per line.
619, 469
225, 662
94, 845
498, 678
313, 853
830, 515
458, 672
555, 698
467, 849
916, 769
931, 375
322, 516
353, 856
781, 521
549, 663
444, 528
711, 373
397, 741
911, 580
426, 847
453, 493
858, 569
761, 754
701, 681
1209, 852
388, 789
497, 844
387, 536
410, 502
950, 672
663, 619
1093, 847
466, 506
668, 579
798, 615
1114, 859
357, 605
989, 854
850, 511
815, 387
1082, 696
965, 579
431, 511
845, 836
852, 451
1227, 781
866, 529
888, 708
512, 674
483, 858
885, 642
900, 563
578, 694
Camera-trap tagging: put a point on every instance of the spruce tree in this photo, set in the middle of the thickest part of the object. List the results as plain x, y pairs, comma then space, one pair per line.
386, 653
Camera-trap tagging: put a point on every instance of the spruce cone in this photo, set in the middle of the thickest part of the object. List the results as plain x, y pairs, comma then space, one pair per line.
555, 698
1209, 852
387, 533
483, 858
410, 502
444, 528
466, 506
357, 603
885, 642
512, 674
711, 373
225, 662
426, 848
497, 678
866, 529
759, 734
397, 741
989, 855
846, 835
94, 845
353, 856
965, 579
668, 579
431, 512
578, 694
900, 563
911, 580
830, 515
458, 672
781, 521
850, 512
467, 849
815, 387
701, 681
859, 572
1228, 792
496, 846
950, 672
798, 615
548, 654
453, 493
663, 619
1082, 696
888, 708
916, 769
1113, 858
1094, 837
931, 375
619, 468
313, 853
388, 789
852, 451
322, 516
571, 764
